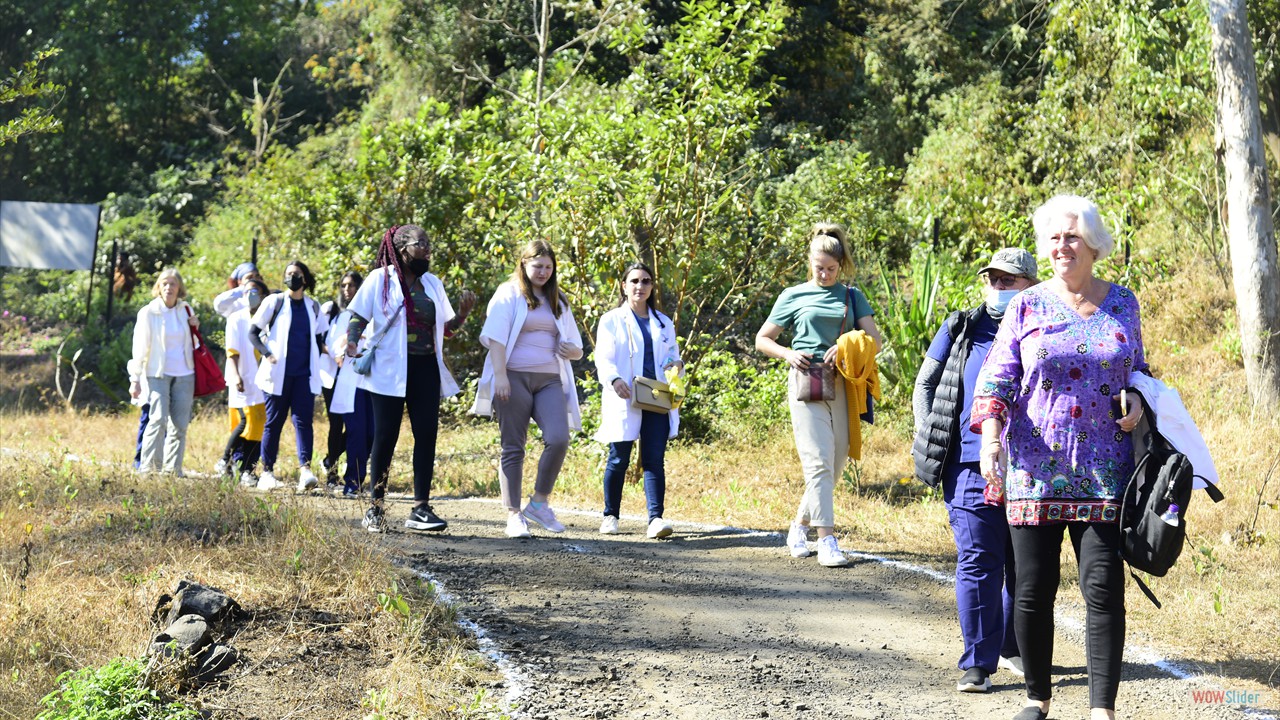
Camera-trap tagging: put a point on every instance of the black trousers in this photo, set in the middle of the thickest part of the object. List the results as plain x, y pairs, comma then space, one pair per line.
1037, 551
422, 399
337, 441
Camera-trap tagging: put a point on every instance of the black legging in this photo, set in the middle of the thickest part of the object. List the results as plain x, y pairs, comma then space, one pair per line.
337, 441
1037, 553
422, 398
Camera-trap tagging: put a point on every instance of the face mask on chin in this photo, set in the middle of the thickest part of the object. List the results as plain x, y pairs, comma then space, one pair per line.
998, 301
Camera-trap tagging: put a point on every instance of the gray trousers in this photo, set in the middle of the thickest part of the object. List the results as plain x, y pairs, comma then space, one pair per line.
538, 397
171, 399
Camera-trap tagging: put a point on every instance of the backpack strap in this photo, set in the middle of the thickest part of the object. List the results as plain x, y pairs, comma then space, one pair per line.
1145, 590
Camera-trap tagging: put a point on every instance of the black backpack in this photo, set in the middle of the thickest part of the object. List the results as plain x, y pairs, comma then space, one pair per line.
1162, 477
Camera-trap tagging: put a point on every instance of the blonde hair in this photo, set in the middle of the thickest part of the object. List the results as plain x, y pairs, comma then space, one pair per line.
555, 298
831, 239
169, 273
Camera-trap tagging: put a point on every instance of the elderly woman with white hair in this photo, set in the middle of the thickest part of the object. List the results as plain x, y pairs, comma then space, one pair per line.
1048, 401
164, 354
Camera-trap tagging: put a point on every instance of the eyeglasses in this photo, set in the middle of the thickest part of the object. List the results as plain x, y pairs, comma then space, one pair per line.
1002, 281
640, 281
424, 244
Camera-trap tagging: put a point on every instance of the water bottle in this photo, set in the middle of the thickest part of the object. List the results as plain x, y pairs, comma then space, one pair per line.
1170, 515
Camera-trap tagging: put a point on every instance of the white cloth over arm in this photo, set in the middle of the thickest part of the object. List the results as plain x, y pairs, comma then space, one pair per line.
1175, 424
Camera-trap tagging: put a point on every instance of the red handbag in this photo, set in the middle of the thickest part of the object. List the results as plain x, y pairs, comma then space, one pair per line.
209, 379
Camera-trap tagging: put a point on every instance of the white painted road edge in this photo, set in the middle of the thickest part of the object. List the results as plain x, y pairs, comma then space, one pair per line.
517, 680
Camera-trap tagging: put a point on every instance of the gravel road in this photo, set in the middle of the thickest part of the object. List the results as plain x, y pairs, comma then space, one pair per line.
721, 623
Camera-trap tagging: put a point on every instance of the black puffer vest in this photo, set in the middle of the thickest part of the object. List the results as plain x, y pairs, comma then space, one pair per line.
941, 424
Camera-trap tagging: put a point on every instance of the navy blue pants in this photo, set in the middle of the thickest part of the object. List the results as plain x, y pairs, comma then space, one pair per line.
295, 399
359, 440
654, 428
984, 569
142, 428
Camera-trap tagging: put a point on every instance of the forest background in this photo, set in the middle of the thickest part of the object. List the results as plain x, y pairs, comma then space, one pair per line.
702, 137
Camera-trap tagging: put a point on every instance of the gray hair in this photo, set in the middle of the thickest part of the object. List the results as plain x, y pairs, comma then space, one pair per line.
1088, 220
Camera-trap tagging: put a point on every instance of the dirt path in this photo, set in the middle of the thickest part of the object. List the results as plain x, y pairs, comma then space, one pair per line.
722, 624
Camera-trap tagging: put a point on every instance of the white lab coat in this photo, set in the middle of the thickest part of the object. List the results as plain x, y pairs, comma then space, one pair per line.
620, 354
1175, 424
503, 322
328, 366
239, 325
389, 373
270, 376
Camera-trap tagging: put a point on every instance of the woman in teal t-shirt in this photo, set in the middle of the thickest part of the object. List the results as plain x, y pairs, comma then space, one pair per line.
816, 313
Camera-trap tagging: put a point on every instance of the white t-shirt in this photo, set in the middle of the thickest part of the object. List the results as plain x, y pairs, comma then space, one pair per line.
175, 330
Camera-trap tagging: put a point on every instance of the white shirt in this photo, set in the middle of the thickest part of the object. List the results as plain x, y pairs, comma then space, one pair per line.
270, 376
503, 322
389, 372
620, 354
175, 345
239, 325
1175, 424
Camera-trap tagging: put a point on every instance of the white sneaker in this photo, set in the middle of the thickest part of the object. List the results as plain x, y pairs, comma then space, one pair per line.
609, 526
797, 541
829, 554
267, 481
306, 479
517, 526
659, 528
247, 480
220, 467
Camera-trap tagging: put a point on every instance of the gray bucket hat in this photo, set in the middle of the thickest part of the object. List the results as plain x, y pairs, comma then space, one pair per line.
1014, 261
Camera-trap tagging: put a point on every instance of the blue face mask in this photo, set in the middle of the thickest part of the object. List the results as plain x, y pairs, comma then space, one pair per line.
998, 301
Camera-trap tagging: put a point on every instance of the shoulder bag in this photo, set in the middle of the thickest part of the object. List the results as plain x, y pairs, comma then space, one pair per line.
209, 379
363, 363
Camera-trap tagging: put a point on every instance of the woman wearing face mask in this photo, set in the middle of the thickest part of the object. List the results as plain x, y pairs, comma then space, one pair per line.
408, 316
817, 313
946, 452
531, 336
294, 330
235, 297
337, 442
635, 340
245, 399
163, 353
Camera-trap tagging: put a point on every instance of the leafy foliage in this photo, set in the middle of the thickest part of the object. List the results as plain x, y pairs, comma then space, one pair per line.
115, 691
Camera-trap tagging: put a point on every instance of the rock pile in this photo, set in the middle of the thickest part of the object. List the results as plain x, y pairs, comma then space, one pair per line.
193, 617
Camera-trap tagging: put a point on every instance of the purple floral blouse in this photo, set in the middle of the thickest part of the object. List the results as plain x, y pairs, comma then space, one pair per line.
1052, 373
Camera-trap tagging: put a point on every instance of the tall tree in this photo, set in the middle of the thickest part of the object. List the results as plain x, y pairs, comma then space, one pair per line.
1250, 231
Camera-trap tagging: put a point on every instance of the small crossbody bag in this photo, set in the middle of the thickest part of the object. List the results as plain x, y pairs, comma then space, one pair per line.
818, 383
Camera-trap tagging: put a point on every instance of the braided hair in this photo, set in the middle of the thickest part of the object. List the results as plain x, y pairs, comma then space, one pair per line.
396, 237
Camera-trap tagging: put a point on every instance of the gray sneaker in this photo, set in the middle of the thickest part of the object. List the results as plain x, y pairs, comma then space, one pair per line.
375, 521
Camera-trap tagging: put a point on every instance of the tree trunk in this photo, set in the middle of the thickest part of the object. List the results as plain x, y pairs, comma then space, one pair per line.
1250, 231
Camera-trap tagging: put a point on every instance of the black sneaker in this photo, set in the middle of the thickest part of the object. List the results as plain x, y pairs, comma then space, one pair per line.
421, 518
375, 521
974, 680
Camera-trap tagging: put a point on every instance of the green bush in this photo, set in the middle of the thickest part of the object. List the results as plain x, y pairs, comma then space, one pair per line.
734, 396
114, 691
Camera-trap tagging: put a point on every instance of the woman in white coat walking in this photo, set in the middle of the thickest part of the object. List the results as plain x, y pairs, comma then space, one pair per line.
531, 336
163, 354
635, 340
288, 329
408, 316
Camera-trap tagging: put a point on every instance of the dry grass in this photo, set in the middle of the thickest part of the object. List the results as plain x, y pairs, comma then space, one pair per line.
1222, 602
86, 550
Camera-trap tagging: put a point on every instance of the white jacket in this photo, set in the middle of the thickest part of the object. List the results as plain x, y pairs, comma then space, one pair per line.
239, 325
270, 375
229, 301
1175, 424
389, 373
620, 354
148, 340
329, 366
503, 322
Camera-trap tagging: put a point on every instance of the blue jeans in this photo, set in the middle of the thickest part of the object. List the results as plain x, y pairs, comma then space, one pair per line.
984, 569
358, 439
295, 398
654, 428
142, 428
